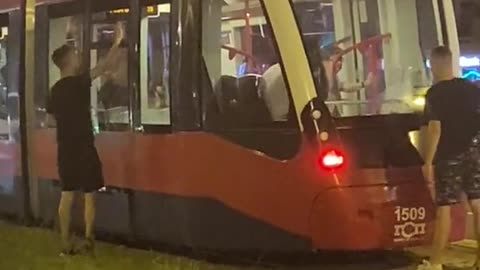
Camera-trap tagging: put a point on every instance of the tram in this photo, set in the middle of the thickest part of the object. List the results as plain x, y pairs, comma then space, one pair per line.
264, 125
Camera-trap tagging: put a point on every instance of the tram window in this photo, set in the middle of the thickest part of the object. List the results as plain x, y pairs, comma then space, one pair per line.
386, 69
4, 94
154, 64
63, 30
468, 25
468, 20
247, 81
110, 92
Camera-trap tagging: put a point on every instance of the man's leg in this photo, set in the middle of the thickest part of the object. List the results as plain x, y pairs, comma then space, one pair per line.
448, 188
64, 214
475, 206
89, 215
441, 234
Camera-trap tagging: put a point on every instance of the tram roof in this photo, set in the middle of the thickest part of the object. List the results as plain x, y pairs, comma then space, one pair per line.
6, 5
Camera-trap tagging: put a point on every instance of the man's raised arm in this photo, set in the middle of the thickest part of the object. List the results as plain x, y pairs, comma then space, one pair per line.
103, 65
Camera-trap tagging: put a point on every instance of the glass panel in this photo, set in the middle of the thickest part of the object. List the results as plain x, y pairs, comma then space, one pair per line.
244, 67
5, 120
110, 92
9, 122
154, 64
374, 52
468, 24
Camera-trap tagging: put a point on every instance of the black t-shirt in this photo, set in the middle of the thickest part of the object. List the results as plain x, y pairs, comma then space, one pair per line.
69, 102
456, 105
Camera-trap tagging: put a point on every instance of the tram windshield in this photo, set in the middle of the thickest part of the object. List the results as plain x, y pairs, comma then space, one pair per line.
374, 52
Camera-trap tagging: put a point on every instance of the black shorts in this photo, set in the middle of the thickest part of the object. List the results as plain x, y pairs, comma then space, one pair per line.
80, 169
459, 175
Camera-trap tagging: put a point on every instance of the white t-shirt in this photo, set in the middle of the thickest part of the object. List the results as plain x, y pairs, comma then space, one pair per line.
275, 93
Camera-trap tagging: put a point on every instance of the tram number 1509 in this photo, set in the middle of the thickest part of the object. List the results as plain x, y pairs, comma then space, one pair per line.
409, 214
410, 223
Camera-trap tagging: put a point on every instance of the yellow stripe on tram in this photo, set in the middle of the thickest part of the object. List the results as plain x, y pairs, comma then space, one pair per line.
293, 55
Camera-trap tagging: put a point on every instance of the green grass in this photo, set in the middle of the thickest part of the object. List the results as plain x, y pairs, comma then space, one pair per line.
32, 248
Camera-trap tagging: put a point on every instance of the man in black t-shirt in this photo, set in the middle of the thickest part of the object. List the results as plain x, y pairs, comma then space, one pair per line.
79, 165
453, 146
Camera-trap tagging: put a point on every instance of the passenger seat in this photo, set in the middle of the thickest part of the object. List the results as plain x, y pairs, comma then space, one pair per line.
240, 103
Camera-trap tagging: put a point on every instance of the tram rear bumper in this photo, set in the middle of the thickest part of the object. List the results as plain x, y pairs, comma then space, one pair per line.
374, 217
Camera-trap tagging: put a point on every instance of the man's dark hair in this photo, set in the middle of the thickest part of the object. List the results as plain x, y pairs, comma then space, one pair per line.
59, 55
442, 52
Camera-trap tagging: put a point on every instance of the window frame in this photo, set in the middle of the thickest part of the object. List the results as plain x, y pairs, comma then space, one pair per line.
153, 127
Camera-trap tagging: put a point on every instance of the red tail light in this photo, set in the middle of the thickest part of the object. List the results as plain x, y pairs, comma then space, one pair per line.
332, 159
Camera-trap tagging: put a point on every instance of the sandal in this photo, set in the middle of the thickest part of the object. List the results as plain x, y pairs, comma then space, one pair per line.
87, 247
68, 250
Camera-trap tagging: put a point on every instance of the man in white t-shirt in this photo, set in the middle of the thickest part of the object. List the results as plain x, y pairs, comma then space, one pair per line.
275, 93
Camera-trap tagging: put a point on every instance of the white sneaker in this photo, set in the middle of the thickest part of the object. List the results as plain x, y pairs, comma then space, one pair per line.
426, 265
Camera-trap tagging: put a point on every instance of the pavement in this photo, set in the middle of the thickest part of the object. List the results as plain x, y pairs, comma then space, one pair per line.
459, 255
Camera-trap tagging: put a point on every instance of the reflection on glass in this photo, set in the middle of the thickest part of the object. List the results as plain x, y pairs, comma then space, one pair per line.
374, 52
154, 63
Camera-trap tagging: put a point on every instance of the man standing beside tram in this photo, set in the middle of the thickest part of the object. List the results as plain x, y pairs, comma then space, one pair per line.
452, 156
79, 165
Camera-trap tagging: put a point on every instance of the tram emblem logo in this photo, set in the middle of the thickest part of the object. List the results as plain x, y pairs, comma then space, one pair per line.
410, 223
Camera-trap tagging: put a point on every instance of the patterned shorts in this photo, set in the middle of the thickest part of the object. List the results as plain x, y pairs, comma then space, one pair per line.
459, 175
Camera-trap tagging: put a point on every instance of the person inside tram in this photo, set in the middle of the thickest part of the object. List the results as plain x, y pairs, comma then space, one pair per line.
452, 114
114, 90
79, 165
333, 66
275, 91
339, 86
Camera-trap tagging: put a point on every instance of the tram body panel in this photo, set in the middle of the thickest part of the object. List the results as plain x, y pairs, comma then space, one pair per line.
9, 159
182, 168
299, 198
369, 217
